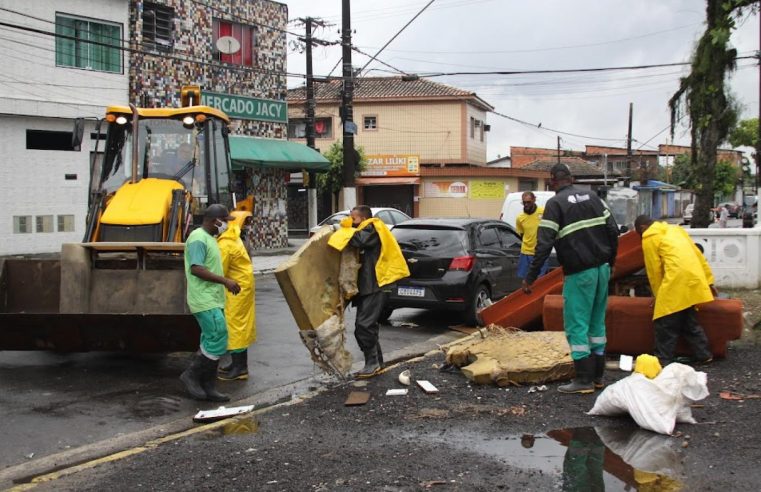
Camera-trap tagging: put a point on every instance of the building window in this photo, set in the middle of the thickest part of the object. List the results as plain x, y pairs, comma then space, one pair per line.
472, 127
65, 223
370, 123
527, 185
44, 223
245, 51
481, 129
323, 128
82, 43
49, 140
157, 26
22, 224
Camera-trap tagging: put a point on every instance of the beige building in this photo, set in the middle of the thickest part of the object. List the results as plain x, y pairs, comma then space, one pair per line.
404, 128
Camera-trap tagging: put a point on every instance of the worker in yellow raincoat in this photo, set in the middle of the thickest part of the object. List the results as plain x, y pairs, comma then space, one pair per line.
239, 310
680, 278
381, 263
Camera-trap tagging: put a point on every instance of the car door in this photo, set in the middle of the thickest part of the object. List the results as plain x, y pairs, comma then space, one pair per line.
491, 258
511, 246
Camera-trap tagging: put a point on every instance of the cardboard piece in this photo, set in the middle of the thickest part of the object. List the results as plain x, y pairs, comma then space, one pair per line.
357, 398
397, 392
427, 386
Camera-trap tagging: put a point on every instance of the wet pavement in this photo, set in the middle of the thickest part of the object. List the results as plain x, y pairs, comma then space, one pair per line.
92, 403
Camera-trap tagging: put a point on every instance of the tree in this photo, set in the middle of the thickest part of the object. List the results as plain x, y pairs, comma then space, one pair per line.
332, 181
725, 176
712, 113
744, 134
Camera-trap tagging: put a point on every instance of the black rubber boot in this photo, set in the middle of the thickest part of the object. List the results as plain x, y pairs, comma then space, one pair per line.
380, 355
225, 364
599, 371
372, 367
238, 367
209, 380
582, 383
192, 376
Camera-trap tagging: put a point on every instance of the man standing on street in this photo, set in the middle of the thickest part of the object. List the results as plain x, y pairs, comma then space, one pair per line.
206, 300
680, 278
585, 236
723, 216
381, 263
527, 225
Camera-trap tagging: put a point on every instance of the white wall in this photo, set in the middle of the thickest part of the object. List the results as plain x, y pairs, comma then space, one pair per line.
35, 94
734, 255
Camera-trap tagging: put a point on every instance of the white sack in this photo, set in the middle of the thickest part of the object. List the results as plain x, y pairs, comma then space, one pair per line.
655, 404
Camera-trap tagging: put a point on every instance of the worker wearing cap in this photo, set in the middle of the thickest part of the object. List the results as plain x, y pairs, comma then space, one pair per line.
578, 224
206, 300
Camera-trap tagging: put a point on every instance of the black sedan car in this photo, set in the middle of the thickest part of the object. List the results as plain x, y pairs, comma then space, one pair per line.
455, 264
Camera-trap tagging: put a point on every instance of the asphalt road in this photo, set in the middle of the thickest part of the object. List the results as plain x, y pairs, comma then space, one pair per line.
53, 403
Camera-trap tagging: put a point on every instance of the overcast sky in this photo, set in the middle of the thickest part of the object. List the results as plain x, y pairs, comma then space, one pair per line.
462, 35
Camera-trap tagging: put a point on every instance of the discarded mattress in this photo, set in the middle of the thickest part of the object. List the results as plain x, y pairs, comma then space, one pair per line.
316, 281
525, 310
629, 322
508, 356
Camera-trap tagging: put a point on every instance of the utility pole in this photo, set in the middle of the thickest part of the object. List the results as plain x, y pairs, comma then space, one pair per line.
310, 106
349, 192
758, 136
629, 144
558, 149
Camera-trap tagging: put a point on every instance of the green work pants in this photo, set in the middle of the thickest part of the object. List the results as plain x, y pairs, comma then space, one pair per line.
585, 298
213, 332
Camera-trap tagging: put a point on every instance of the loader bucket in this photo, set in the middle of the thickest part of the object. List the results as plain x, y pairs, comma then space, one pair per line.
98, 297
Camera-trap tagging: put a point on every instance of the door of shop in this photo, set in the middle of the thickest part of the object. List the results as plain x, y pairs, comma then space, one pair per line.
399, 197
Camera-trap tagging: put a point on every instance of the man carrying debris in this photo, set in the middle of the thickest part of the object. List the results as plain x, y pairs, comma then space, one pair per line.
206, 300
680, 278
527, 225
381, 263
578, 224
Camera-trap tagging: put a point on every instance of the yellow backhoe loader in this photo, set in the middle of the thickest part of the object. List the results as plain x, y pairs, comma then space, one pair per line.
123, 287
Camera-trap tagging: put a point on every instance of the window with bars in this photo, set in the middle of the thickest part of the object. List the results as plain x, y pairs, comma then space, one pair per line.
370, 123
88, 44
243, 34
44, 223
65, 223
157, 26
22, 224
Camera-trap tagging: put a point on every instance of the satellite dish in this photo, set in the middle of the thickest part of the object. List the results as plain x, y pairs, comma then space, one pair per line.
228, 45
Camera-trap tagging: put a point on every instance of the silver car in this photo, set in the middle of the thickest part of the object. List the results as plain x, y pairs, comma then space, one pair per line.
390, 216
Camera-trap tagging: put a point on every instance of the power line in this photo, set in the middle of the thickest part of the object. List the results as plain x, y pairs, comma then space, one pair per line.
540, 127
354, 48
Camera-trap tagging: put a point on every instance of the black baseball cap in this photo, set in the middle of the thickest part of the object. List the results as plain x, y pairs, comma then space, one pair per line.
217, 211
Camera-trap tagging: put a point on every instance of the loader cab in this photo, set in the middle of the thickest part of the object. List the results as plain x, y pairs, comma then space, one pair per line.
181, 155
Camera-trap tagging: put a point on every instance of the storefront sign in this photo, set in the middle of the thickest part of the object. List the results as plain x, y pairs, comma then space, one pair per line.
487, 190
392, 165
247, 108
445, 189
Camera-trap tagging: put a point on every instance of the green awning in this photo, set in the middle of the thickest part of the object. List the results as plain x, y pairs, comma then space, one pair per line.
282, 154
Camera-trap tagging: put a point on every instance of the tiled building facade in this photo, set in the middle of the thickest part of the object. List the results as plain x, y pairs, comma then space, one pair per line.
175, 43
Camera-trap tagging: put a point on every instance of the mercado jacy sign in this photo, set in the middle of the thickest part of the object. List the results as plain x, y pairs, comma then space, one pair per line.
247, 108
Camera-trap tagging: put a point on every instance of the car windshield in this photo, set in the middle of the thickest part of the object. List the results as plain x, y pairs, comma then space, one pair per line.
334, 219
432, 242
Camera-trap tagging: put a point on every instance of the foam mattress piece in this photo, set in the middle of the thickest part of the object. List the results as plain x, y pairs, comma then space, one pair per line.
629, 323
309, 281
506, 356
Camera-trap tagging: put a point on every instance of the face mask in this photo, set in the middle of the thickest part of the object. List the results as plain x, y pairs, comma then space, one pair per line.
529, 209
221, 227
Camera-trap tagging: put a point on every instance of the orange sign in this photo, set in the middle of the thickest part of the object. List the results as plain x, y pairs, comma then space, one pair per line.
392, 165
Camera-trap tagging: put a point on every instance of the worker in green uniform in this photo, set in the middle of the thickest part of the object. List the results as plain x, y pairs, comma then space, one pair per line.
206, 300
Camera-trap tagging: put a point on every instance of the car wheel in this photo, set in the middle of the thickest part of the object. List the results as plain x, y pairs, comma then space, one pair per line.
481, 298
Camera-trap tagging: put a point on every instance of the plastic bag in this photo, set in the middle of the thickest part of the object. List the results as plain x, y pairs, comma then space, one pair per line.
655, 404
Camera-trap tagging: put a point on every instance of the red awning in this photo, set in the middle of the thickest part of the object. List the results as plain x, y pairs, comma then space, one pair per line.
396, 180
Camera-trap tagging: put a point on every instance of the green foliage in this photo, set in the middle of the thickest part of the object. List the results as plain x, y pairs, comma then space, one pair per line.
725, 175
745, 133
332, 181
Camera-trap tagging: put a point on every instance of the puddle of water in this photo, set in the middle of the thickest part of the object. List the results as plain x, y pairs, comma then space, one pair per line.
584, 458
236, 427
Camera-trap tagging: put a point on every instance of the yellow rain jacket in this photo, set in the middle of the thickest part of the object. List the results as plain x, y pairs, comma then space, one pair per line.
678, 272
236, 264
391, 264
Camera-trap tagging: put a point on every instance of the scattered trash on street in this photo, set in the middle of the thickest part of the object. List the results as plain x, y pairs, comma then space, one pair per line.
221, 413
357, 398
534, 389
397, 392
404, 377
427, 386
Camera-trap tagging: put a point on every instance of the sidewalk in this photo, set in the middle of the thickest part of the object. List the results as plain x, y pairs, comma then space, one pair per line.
265, 261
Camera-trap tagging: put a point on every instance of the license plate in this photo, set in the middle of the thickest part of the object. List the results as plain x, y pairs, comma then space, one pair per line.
411, 291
